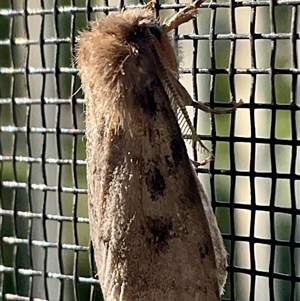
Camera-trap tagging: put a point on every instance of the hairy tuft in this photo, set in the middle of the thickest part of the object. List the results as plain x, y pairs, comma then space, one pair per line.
115, 51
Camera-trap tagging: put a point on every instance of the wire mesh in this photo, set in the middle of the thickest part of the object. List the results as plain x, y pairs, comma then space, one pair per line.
242, 49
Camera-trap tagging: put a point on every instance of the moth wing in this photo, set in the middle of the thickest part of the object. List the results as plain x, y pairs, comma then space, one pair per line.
220, 251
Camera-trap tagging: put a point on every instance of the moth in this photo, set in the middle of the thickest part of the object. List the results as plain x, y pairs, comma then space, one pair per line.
154, 233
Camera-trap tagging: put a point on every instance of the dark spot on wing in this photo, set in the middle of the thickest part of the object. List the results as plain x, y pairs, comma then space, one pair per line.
177, 149
169, 163
160, 231
147, 102
204, 251
156, 184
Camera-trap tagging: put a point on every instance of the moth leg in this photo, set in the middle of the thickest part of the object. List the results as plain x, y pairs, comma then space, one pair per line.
150, 4
201, 163
203, 107
183, 16
189, 101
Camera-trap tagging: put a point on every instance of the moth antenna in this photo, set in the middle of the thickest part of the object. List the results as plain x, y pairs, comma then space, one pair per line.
171, 92
183, 16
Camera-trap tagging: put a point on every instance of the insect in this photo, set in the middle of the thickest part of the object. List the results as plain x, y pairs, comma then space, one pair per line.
154, 233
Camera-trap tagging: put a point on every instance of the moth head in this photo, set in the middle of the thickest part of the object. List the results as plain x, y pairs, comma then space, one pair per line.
117, 49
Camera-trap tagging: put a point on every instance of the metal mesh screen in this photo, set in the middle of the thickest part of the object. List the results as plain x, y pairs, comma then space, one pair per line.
234, 50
